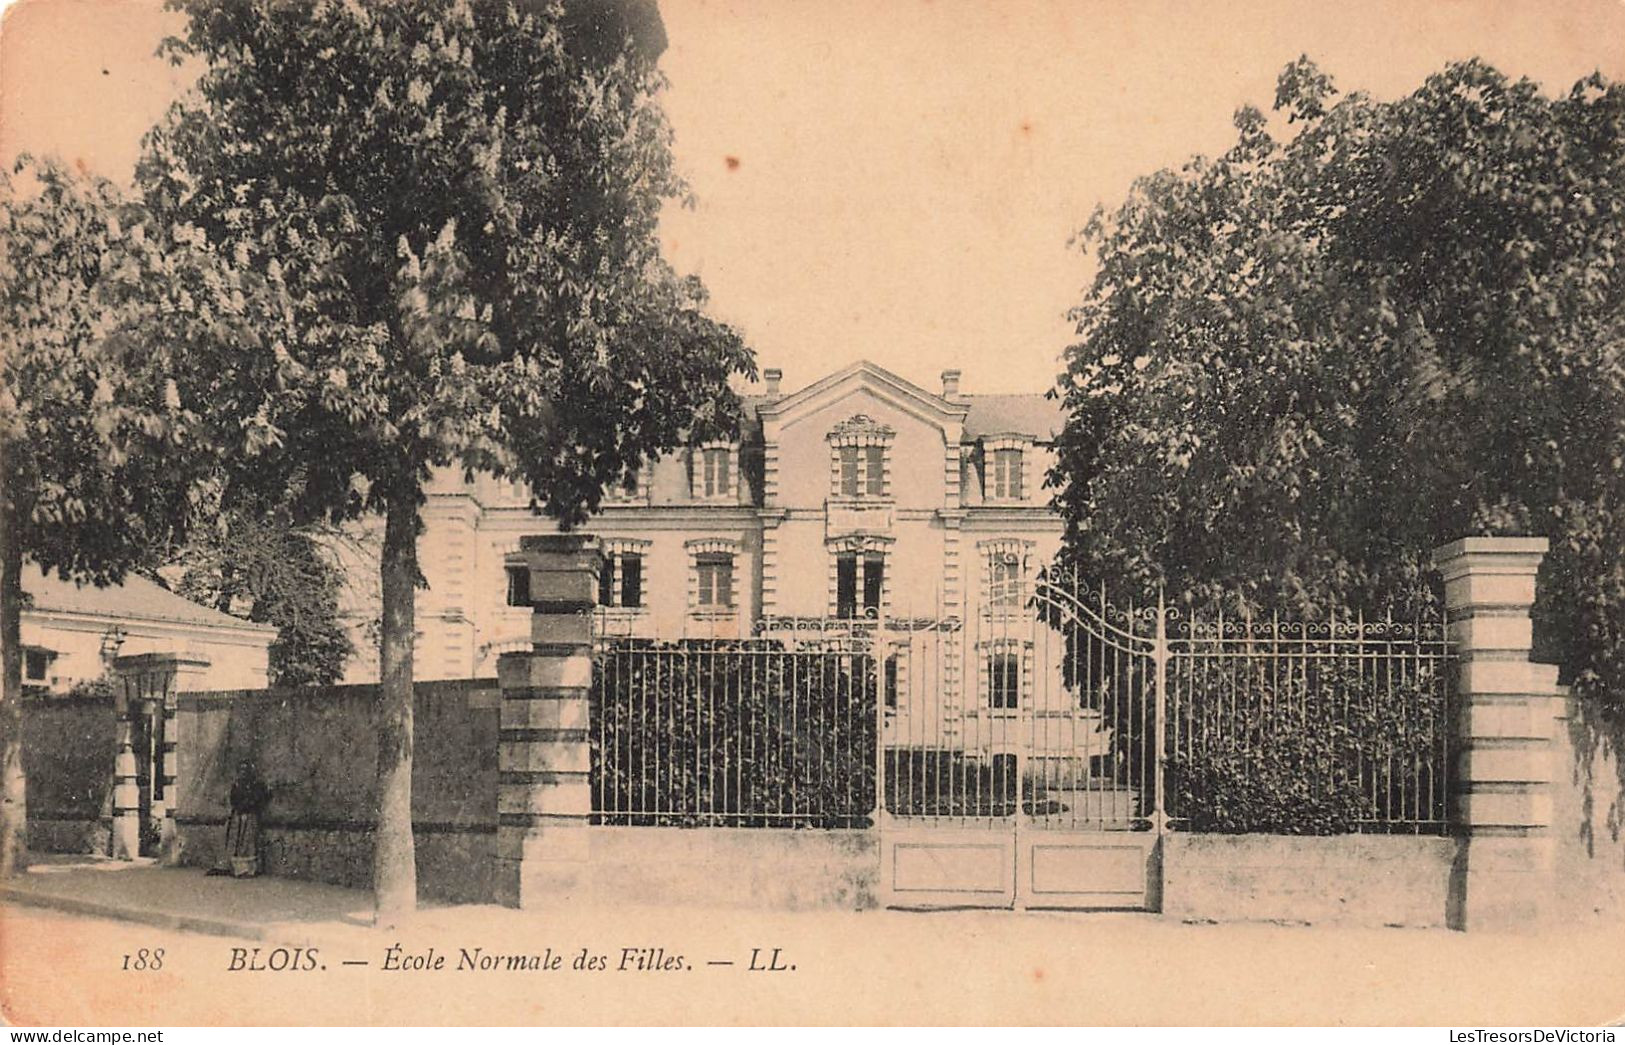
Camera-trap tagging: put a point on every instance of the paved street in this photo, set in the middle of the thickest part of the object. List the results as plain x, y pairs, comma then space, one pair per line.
58, 968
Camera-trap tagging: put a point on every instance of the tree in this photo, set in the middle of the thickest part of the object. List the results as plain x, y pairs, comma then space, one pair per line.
254, 561
453, 206
1307, 362
101, 457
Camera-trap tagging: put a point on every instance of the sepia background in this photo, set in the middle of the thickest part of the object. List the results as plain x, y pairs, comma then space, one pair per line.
898, 182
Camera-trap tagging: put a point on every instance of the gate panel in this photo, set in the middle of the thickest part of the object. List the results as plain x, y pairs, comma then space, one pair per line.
1019, 762
1086, 869
949, 771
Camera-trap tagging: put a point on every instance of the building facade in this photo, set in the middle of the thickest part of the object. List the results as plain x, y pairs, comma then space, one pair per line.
860, 494
71, 633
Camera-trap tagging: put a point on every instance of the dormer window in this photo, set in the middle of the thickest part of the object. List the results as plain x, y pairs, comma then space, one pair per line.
1007, 475
1005, 464
716, 472
859, 446
713, 471
628, 491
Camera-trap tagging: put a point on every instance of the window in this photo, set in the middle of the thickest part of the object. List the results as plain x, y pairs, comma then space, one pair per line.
1004, 680
863, 471
1004, 582
858, 574
846, 586
631, 580
1002, 782
715, 469
873, 581
629, 488
35, 663
1007, 475
519, 585
858, 449
628, 594
891, 682
716, 574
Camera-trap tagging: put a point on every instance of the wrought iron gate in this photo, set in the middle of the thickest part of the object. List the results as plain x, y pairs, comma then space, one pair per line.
1032, 752
1020, 752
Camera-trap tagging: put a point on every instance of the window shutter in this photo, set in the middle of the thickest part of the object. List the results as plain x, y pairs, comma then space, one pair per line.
846, 586
631, 580
874, 572
849, 471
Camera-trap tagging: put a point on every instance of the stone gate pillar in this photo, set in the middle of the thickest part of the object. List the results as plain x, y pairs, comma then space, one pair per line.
148, 684
1501, 802
543, 796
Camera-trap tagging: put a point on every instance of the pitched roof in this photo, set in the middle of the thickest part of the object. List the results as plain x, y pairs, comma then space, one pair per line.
1031, 414
135, 599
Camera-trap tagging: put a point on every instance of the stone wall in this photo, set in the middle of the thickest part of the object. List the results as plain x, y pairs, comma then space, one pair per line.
317, 749
1364, 880
69, 744
1588, 815
722, 867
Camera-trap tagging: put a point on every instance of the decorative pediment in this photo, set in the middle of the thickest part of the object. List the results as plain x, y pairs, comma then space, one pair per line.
859, 543
1006, 549
712, 546
875, 380
861, 430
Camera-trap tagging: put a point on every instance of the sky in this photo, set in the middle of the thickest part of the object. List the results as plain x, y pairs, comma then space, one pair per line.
894, 180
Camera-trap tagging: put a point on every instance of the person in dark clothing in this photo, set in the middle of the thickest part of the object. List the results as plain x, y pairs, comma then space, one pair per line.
249, 797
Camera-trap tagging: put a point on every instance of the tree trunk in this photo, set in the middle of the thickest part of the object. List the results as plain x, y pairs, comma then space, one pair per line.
13, 793
395, 888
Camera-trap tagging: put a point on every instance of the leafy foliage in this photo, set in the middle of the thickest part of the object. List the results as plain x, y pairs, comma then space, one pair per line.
255, 562
454, 213
738, 735
451, 208
1305, 363
104, 457
1313, 750
102, 454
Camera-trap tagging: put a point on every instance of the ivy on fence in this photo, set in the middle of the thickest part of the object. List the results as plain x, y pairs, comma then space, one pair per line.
1306, 747
732, 734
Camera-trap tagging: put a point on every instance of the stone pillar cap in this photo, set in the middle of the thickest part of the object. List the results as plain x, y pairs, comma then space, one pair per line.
1490, 547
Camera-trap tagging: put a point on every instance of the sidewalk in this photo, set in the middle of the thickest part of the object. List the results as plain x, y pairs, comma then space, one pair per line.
833, 966
185, 899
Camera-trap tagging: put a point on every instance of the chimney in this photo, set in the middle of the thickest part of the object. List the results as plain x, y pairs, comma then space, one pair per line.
950, 384
773, 375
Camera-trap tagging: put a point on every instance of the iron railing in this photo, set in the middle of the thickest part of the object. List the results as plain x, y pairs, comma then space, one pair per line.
732, 734
1055, 710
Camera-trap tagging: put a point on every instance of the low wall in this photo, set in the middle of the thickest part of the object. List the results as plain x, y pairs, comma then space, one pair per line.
1588, 815
721, 867
69, 744
1371, 880
317, 749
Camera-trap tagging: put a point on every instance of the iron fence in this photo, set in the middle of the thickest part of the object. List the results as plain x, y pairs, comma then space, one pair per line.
1311, 727
1060, 711
758, 733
